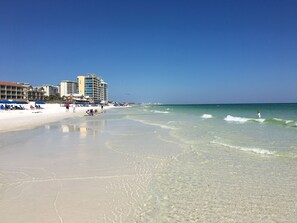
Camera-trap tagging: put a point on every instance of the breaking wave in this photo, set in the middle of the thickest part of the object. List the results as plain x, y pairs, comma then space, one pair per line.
272, 121
206, 116
230, 118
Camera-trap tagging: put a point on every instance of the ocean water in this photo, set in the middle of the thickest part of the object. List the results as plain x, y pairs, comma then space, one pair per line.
232, 126
234, 166
162, 163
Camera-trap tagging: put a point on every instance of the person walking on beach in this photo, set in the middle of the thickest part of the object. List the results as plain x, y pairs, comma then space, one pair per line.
73, 106
67, 106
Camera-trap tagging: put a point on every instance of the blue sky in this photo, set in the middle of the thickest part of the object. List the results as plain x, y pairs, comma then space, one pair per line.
174, 51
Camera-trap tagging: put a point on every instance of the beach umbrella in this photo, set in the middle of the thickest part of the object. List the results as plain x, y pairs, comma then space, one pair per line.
7, 101
21, 102
39, 102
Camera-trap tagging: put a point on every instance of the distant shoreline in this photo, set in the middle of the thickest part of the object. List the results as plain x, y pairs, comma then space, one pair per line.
15, 120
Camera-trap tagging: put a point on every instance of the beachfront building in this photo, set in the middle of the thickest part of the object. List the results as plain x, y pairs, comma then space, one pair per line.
93, 88
50, 89
13, 91
104, 92
34, 93
68, 87
77, 98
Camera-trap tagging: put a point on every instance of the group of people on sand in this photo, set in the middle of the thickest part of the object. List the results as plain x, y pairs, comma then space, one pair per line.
67, 106
92, 112
35, 107
89, 112
11, 107
19, 107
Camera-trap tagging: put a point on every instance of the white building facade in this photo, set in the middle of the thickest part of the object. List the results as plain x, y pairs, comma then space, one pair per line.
50, 89
68, 87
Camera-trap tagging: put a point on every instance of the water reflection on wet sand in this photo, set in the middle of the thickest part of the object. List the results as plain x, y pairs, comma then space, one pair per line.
78, 170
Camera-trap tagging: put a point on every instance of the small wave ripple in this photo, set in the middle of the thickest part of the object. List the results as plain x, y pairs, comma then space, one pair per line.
246, 149
163, 126
160, 112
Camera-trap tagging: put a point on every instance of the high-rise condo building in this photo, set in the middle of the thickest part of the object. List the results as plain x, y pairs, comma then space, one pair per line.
68, 87
93, 87
104, 91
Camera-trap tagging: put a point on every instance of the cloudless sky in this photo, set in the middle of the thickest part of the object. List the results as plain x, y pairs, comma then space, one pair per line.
168, 51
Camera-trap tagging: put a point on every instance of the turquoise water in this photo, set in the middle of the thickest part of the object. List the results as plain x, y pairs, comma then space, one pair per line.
235, 167
233, 126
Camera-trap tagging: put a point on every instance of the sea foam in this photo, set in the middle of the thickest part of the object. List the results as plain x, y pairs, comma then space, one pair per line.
160, 112
230, 118
206, 116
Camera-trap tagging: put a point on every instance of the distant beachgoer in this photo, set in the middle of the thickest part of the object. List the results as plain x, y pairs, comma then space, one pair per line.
90, 112
73, 107
67, 106
102, 107
258, 114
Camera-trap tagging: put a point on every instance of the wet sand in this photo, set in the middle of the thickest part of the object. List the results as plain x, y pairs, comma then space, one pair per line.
83, 169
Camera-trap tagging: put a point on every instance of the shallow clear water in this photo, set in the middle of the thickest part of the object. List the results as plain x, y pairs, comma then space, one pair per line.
169, 163
234, 167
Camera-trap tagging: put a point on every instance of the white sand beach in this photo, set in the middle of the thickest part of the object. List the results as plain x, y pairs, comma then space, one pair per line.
13, 120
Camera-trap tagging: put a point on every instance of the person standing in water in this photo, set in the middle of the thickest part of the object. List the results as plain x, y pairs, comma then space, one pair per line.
258, 114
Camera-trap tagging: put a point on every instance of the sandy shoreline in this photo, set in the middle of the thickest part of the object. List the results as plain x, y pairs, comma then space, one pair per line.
14, 120
93, 172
